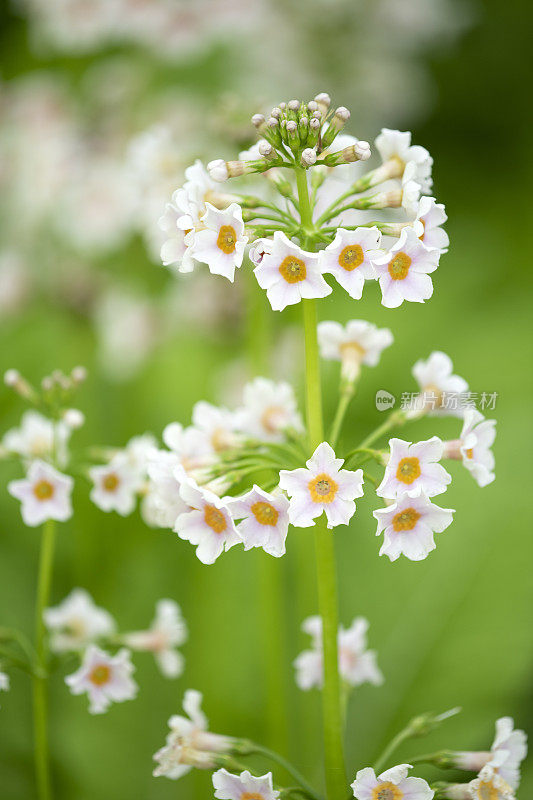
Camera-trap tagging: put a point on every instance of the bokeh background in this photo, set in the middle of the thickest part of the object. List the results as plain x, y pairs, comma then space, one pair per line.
99, 119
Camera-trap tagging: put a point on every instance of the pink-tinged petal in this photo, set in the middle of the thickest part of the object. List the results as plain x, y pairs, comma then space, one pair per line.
303, 512
439, 518
416, 789
350, 484
391, 546
428, 450
339, 512
417, 287
418, 543
395, 774
392, 296
364, 784
293, 481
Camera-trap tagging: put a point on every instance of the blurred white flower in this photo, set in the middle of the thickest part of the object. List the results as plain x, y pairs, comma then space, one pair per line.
162, 503
413, 468
436, 380
409, 525
396, 145
218, 424
358, 342
167, 632
77, 622
268, 410
115, 485
106, 679
44, 494
38, 437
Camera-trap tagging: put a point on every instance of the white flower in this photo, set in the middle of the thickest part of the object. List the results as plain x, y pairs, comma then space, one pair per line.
269, 409
192, 446
390, 785
413, 468
357, 665
115, 486
477, 437
208, 524
217, 424
410, 191
38, 437
349, 258
138, 451
106, 679
490, 784
437, 381
243, 786
392, 144
189, 742
287, 272
402, 272
167, 631
323, 486
44, 494
409, 525
77, 622
432, 215
509, 749
356, 343
175, 250
221, 244
4, 682
163, 503
264, 520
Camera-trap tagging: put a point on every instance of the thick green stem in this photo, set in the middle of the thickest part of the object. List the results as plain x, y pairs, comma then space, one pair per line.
40, 700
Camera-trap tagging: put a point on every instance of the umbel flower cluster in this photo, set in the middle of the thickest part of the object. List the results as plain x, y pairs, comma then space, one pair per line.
244, 476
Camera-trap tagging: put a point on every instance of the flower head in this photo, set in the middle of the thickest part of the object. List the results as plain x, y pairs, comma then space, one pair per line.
413, 468
243, 786
409, 525
490, 784
356, 343
439, 386
288, 273
269, 409
403, 271
509, 749
390, 785
350, 258
38, 437
322, 487
192, 445
264, 520
77, 622
44, 494
163, 503
396, 145
115, 485
220, 244
167, 631
217, 424
106, 679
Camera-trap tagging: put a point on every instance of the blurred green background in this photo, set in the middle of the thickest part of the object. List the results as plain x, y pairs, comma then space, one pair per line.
452, 630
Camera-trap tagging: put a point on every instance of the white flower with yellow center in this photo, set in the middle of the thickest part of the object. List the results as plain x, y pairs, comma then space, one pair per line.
208, 524
167, 631
38, 437
106, 679
115, 486
264, 520
322, 487
413, 468
395, 146
474, 446
409, 525
432, 215
162, 503
189, 743
221, 243
288, 273
269, 410
390, 785
138, 451
218, 424
244, 786
509, 749
44, 494
356, 343
439, 386
77, 622
349, 258
191, 445
403, 271
490, 785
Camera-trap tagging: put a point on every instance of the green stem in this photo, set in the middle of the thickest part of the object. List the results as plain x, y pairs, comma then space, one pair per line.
346, 394
394, 419
391, 748
40, 700
288, 767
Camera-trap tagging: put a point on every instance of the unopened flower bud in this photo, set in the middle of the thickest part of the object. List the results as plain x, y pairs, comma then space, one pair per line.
292, 135
340, 118
323, 101
12, 377
218, 170
308, 157
20, 385
294, 105
312, 106
265, 149
73, 418
276, 112
314, 132
360, 151
258, 120
283, 106
281, 183
79, 374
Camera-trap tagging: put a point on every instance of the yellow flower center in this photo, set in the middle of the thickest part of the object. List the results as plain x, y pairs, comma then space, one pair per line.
215, 519
399, 266
351, 257
408, 470
100, 675
387, 791
43, 490
421, 237
405, 520
352, 349
487, 791
323, 489
111, 482
252, 796
293, 269
470, 452
227, 239
271, 418
265, 513
433, 393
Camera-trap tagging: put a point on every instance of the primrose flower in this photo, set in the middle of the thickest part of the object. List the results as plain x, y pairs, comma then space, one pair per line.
441, 389
221, 243
409, 525
403, 271
191, 445
176, 249
137, 453
413, 468
349, 258
208, 524
432, 215
488, 784
44, 494
106, 679
393, 784
162, 503
508, 750
115, 486
217, 424
189, 743
356, 343
264, 520
243, 786
396, 146
322, 487
38, 437
474, 446
269, 409
77, 622
167, 631
288, 273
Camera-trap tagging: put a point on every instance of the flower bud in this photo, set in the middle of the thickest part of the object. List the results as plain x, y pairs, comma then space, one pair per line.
323, 101
314, 132
73, 418
20, 385
355, 152
312, 106
276, 112
281, 183
258, 120
308, 157
78, 374
340, 118
218, 170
